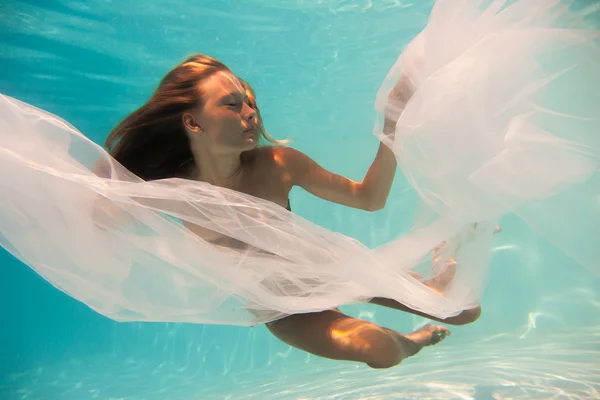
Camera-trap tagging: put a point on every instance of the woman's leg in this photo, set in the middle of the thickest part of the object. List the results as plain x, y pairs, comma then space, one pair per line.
464, 318
438, 284
332, 334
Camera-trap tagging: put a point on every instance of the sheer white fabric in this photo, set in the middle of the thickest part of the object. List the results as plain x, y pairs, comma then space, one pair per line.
496, 111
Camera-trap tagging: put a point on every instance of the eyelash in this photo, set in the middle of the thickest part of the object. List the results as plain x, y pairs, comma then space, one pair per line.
236, 104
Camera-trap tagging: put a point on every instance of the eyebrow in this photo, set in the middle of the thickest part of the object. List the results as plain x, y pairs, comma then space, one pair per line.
235, 94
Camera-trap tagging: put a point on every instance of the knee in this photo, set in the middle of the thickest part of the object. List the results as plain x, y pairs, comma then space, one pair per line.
465, 317
383, 365
471, 315
384, 352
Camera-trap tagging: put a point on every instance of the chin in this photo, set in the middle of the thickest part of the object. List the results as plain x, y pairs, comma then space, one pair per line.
250, 144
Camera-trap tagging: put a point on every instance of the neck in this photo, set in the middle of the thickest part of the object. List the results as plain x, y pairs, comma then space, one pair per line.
221, 169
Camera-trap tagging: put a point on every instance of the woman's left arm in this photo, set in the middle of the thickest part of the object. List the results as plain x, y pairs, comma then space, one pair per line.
370, 194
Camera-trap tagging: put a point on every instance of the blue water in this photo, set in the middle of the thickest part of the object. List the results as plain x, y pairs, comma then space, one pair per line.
315, 65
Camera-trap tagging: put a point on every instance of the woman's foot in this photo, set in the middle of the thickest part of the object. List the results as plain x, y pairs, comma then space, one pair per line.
474, 226
441, 280
411, 344
428, 335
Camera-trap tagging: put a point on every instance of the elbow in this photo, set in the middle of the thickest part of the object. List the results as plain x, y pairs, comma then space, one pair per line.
372, 200
373, 206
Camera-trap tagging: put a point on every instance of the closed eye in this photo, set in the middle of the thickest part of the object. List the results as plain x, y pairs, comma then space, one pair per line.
235, 100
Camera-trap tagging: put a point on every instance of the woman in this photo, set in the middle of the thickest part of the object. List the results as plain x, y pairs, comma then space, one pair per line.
202, 123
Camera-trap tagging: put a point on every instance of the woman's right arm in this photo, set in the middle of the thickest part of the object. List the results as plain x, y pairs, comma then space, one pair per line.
106, 213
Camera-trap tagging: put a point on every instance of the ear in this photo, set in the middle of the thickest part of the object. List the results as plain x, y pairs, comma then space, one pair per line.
190, 123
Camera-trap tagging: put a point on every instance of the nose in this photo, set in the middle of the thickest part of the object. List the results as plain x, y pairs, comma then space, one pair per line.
249, 113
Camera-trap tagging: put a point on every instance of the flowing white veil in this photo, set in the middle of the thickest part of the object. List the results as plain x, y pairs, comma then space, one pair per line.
503, 119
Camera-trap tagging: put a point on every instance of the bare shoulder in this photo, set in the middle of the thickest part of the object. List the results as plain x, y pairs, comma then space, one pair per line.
282, 158
281, 163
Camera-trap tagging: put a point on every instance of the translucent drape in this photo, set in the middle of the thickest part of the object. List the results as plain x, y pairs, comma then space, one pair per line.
496, 111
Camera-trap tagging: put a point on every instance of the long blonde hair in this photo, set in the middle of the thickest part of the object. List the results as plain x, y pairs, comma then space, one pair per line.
152, 142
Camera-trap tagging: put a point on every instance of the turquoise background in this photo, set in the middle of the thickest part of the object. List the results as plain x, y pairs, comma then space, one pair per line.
316, 66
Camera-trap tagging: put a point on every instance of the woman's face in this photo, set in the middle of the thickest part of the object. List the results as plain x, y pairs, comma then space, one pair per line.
225, 121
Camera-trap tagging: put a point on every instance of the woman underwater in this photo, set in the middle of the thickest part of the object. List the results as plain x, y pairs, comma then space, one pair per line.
203, 123
502, 119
